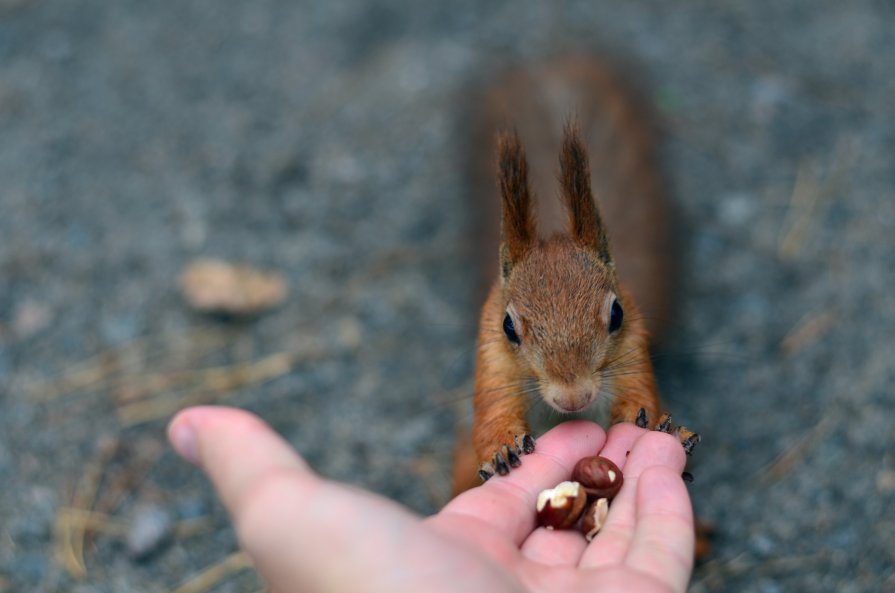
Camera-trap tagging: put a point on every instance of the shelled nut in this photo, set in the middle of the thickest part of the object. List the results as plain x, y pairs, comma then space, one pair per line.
561, 506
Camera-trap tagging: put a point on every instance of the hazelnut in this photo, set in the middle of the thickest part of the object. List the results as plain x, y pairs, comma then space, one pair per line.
594, 518
599, 476
560, 507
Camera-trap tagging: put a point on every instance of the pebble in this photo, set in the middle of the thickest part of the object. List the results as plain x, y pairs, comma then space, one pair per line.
885, 481
30, 318
149, 529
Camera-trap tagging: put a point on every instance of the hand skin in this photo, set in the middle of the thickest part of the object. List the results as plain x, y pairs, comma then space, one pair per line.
309, 534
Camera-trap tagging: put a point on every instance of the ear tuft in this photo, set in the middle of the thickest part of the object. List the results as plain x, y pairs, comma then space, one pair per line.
518, 231
585, 223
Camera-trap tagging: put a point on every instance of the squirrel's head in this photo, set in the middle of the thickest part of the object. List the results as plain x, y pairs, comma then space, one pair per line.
564, 318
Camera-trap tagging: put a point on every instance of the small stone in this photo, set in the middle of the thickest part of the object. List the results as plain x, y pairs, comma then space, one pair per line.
350, 333
736, 209
149, 528
885, 481
30, 318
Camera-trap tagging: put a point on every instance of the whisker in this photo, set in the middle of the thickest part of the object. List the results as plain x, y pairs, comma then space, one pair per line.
614, 361
624, 374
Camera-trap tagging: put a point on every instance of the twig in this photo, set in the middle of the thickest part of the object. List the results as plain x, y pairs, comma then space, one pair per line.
784, 462
808, 329
743, 564
94, 522
162, 407
802, 202
97, 371
207, 383
810, 196
191, 527
216, 573
70, 534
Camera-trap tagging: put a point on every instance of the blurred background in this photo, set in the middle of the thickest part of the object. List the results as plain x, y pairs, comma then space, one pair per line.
324, 143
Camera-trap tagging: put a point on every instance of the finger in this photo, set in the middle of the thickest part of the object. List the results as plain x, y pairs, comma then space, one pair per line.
507, 503
611, 546
619, 441
309, 534
234, 448
298, 528
564, 548
663, 543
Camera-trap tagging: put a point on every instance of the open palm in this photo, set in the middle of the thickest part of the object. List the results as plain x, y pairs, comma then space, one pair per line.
309, 534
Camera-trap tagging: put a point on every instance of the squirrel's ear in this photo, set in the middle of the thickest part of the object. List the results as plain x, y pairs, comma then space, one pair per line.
517, 231
585, 223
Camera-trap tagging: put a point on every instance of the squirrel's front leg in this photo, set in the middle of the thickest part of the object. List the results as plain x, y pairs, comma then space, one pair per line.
638, 403
501, 437
642, 410
500, 432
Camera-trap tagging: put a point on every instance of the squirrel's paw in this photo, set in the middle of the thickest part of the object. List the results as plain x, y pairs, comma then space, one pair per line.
507, 457
688, 438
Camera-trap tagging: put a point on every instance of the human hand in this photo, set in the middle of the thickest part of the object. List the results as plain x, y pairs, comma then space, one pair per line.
306, 533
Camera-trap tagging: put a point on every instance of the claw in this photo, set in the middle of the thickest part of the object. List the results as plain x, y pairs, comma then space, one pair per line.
528, 444
486, 470
691, 442
500, 464
507, 457
687, 477
665, 424
642, 421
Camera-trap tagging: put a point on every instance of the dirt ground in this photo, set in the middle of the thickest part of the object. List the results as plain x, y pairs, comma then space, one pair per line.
325, 141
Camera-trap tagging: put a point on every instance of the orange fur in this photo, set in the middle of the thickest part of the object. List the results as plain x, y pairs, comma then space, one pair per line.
500, 402
517, 232
585, 223
558, 292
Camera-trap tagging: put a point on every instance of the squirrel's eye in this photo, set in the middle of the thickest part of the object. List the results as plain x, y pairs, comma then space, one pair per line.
615, 317
510, 330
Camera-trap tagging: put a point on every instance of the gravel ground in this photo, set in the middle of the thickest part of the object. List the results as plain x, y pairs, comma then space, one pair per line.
325, 141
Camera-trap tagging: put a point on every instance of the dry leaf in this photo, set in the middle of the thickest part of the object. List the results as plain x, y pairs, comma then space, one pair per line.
214, 286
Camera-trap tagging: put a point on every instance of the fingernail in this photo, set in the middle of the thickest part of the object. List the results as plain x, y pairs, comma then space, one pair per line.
183, 438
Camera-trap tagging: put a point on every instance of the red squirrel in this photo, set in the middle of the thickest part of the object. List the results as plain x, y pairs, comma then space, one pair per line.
561, 334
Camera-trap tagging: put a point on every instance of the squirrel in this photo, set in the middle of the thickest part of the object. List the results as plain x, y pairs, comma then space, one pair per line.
561, 334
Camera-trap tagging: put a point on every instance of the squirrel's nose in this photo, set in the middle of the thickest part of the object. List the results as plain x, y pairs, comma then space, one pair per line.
574, 405
570, 398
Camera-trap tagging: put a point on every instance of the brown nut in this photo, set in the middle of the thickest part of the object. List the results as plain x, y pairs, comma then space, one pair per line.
594, 518
599, 476
561, 506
